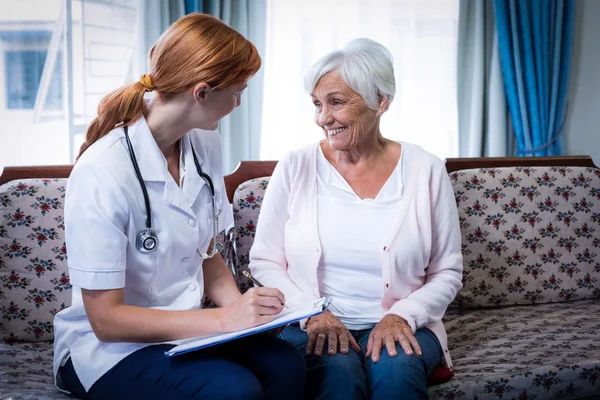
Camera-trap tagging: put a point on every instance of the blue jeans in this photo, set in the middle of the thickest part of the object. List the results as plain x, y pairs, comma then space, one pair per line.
350, 376
255, 367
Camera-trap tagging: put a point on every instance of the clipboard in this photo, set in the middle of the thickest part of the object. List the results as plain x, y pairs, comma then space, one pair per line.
284, 318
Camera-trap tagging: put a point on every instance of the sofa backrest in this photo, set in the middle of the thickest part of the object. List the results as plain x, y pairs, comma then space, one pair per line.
34, 275
247, 201
34, 280
529, 234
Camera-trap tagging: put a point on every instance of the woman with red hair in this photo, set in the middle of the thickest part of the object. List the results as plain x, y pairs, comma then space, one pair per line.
143, 207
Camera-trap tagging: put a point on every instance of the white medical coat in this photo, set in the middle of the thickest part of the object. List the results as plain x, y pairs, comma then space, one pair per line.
104, 213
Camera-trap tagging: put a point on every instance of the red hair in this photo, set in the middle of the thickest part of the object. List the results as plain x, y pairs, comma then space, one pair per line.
196, 48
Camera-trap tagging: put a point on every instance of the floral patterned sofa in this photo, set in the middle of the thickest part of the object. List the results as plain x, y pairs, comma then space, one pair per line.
34, 280
525, 325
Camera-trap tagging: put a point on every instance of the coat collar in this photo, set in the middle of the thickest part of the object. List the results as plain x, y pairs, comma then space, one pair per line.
153, 166
193, 183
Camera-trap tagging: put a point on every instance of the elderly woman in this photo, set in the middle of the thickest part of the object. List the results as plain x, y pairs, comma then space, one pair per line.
370, 223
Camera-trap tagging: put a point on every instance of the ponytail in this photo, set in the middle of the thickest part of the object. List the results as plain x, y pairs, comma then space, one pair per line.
196, 48
121, 106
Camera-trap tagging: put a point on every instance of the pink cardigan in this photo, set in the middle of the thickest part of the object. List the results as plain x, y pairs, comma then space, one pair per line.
421, 259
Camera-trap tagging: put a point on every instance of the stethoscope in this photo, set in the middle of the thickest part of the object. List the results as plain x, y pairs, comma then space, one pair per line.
147, 240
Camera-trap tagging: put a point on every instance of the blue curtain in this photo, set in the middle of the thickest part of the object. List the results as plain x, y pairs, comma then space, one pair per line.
535, 41
240, 131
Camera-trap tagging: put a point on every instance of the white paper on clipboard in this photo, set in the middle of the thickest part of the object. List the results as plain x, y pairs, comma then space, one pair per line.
284, 318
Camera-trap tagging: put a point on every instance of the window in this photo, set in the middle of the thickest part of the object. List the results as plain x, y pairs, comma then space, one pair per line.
57, 59
422, 36
23, 74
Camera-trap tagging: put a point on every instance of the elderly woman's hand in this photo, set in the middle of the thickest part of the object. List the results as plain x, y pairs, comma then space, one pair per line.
387, 332
327, 327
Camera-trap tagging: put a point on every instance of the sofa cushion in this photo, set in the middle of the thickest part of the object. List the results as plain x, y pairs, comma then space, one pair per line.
542, 351
530, 235
247, 200
27, 371
34, 280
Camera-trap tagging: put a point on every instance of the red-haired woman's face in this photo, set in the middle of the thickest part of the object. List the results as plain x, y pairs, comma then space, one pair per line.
222, 102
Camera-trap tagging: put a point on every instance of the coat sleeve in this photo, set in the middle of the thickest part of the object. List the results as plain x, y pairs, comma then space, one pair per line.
444, 272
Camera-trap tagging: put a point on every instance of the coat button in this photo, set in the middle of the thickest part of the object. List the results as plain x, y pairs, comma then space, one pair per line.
185, 259
191, 287
192, 222
387, 285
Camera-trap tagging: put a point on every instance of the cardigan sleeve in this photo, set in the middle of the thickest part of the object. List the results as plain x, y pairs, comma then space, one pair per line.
444, 272
268, 261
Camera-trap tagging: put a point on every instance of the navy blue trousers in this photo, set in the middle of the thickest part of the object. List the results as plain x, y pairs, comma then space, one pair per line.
254, 367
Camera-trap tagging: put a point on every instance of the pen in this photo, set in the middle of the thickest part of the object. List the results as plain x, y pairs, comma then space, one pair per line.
257, 283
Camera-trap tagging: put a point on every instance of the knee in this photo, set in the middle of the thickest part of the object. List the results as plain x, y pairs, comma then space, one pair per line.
237, 385
294, 361
281, 353
342, 366
405, 362
286, 360
398, 368
340, 376
400, 374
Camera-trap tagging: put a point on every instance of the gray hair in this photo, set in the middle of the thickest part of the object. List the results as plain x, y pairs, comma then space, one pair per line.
365, 65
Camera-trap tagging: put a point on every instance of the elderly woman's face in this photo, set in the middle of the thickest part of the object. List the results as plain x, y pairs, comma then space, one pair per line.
341, 112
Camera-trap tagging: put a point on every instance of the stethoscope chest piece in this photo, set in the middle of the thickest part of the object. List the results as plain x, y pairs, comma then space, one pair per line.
146, 241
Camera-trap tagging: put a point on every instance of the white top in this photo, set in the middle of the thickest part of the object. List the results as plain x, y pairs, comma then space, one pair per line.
105, 211
352, 232
421, 260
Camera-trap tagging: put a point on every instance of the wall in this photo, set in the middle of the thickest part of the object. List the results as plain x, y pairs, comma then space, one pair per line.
582, 129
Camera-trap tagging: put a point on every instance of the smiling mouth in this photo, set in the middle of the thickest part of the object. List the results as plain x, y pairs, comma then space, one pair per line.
334, 132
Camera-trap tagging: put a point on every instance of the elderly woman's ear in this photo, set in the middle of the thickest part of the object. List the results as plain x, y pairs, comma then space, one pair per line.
384, 104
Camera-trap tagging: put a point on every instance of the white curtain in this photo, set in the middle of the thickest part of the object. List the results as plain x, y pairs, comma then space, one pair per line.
482, 113
422, 36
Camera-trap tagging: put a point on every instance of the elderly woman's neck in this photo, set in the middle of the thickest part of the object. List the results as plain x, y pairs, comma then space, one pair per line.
366, 152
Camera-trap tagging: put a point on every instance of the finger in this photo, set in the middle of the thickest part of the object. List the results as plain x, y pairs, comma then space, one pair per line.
344, 339
376, 349
414, 343
354, 344
273, 302
270, 292
310, 345
332, 342
369, 346
405, 343
390, 345
320, 343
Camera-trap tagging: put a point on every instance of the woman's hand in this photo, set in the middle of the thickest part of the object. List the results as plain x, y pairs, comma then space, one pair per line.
257, 306
326, 326
387, 332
